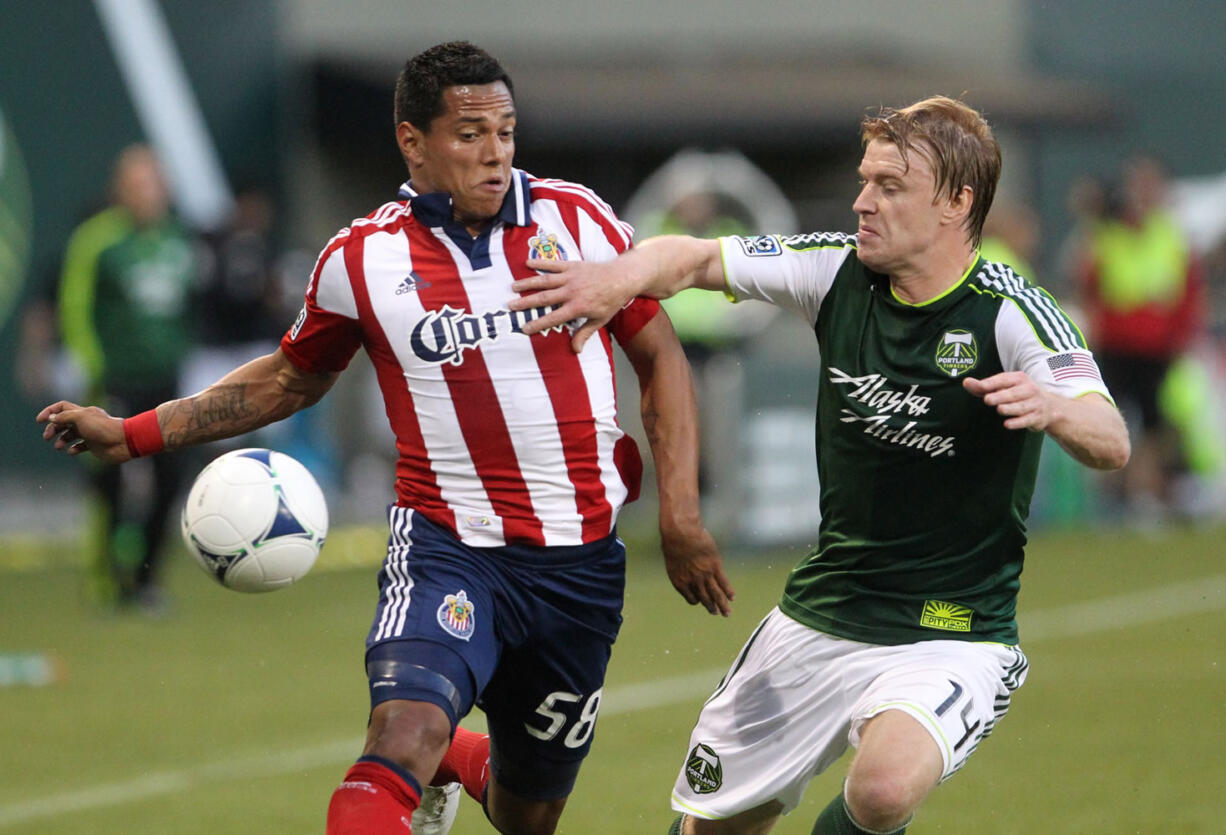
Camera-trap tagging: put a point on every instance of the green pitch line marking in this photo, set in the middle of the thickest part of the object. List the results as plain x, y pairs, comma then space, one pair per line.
1111, 613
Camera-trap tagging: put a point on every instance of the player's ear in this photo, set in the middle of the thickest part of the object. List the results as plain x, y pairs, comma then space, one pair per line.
409, 138
958, 206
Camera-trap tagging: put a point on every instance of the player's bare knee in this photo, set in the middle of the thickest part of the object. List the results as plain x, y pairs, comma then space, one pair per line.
412, 734
881, 801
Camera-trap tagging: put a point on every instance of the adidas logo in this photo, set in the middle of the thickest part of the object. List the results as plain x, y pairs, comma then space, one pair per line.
411, 284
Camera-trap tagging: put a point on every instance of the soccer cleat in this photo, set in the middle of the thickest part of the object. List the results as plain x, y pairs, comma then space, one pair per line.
439, 805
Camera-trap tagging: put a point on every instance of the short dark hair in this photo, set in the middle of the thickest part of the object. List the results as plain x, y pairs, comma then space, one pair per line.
420, 85
956, 140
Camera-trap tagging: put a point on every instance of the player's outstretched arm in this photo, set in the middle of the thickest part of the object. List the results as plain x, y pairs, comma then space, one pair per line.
593, 292
75, 429
1089, 428
670, 418
261, 392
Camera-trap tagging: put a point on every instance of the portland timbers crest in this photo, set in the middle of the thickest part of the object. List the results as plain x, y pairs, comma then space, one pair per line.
545, 247
703, 770
957, 352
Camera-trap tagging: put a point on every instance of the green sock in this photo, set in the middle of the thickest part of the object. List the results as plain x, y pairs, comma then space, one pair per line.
835, 820
675, 829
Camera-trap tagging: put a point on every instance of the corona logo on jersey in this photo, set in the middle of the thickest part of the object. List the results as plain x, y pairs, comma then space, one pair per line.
457, 615
957, 352
444, 335
545, 247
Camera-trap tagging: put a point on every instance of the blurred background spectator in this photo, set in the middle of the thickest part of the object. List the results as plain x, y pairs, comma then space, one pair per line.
1142, 290
125, 317
712, 194
239, 306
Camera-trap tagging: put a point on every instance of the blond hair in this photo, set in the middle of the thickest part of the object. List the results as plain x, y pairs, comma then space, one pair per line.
955, 139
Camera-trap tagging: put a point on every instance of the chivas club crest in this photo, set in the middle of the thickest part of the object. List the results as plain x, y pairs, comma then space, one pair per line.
456, 615
957, 353
545, 247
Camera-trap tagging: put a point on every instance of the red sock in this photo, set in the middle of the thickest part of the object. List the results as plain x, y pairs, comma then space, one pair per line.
467, 762
377, 797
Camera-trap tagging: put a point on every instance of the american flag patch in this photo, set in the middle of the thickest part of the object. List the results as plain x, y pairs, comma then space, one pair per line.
1068, 366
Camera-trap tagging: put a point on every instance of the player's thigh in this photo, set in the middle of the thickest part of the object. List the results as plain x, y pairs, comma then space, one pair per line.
896, 765
433, 637
777, 719
955, 692
544, 700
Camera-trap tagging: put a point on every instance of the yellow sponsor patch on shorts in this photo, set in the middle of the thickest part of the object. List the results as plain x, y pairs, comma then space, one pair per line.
948, 616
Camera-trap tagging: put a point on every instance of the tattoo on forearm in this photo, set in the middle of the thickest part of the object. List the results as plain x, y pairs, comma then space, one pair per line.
219, 412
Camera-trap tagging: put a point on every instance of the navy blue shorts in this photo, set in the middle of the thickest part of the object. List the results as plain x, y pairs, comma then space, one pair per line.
523, 632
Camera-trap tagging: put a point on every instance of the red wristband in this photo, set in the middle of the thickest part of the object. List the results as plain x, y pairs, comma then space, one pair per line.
143, 434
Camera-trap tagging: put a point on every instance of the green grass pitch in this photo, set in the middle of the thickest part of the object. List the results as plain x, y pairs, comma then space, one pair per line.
238, 714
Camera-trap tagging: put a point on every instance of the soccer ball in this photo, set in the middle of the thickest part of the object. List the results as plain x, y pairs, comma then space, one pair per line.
255, 519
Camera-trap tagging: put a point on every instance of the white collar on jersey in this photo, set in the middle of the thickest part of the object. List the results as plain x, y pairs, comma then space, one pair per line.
434, 208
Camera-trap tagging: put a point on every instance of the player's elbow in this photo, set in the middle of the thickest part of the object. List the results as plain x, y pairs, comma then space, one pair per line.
1119, 447
1119, 454
1110, 453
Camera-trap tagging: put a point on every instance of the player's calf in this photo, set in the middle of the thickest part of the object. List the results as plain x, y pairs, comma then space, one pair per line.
376, 796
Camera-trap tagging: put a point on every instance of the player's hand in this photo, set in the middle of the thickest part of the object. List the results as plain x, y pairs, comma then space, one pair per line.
579, 292
76, 429
1015, 397
696, 569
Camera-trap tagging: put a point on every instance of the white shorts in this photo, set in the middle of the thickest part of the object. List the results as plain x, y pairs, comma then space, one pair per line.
795, 698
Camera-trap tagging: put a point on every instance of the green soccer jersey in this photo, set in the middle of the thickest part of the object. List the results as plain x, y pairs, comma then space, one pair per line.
924, 493
125, 300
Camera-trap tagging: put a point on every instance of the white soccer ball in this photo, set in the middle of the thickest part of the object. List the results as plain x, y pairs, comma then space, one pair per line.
255, 520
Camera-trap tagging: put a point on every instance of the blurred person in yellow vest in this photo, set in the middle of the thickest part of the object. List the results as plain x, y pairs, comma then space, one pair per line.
1144, 295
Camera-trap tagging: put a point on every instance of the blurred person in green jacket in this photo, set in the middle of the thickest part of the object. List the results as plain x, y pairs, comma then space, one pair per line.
124, 308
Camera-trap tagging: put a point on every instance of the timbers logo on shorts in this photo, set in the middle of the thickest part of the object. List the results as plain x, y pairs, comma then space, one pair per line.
703, 770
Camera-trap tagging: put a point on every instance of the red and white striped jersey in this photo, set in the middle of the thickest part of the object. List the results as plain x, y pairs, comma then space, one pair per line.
502, 438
